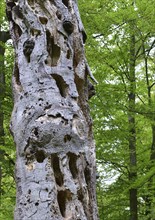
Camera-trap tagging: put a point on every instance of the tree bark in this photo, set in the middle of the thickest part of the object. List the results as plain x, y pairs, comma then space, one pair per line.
51, 124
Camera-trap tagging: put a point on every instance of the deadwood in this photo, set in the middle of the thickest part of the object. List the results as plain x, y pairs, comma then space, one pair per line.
51, 124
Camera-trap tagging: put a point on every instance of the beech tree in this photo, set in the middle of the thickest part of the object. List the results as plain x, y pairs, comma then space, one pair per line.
51, 124
4, 36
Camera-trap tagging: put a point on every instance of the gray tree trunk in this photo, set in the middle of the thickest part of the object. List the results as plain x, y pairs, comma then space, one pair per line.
51, 125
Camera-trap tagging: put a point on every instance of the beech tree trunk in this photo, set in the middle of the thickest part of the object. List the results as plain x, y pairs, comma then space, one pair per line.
149, 197
51, 124
4, 36
132, 128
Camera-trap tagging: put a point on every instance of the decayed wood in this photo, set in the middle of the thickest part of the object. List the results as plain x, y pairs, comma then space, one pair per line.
51, 125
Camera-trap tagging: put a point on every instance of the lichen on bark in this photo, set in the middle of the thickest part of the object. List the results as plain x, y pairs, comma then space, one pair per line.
51, 124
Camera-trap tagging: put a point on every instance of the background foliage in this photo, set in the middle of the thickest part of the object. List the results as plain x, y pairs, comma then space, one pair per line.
7, 149
111, 27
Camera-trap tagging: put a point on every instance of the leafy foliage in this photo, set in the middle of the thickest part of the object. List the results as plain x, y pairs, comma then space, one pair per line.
108, 48
7, 149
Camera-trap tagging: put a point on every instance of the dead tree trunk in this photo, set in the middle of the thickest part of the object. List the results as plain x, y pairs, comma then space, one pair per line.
51, 125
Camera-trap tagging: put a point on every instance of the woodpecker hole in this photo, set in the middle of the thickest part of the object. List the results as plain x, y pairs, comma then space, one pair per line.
73, 164
56, 169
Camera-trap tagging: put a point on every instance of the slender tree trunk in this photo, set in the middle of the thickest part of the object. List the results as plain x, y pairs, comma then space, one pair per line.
151, 183
4, 36
51, 124
149, 198
132, 128
2, 90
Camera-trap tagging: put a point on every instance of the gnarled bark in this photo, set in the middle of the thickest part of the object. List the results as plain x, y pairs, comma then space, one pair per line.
51, 125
